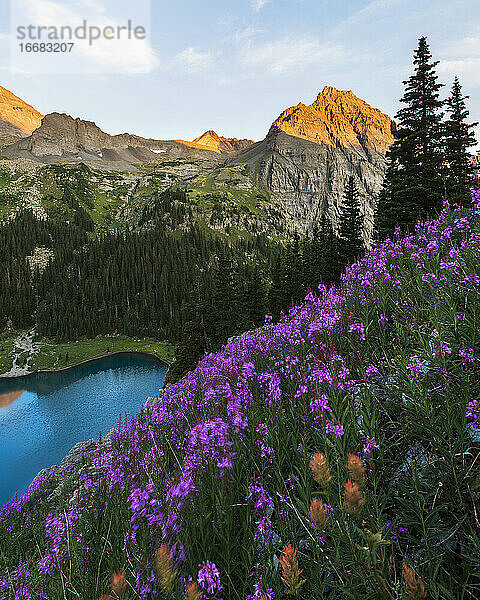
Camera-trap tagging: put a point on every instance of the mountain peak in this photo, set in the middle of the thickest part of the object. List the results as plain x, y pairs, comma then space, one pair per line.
339, 118
333, 91
210, 140
17, 112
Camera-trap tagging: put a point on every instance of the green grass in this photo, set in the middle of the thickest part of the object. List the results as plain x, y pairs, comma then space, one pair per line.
6, 344
52, 356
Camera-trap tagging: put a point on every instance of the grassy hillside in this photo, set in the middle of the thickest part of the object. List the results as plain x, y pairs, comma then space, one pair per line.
222, 199
332, 455
49, 355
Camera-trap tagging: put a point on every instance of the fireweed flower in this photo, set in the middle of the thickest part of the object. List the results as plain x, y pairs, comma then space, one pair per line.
334, 429
264, 531
319, 405
372, 372
415, 368
266, 452
320, 469
368, 445
466, 354
473, 413
291, 571
353, 500
414, 584
318, 513
258, 594
360, 328
356, 470
257, 492
209, 578
292, 482
443, 348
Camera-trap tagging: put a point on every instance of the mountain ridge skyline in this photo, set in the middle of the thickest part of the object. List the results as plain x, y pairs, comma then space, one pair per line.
210, 137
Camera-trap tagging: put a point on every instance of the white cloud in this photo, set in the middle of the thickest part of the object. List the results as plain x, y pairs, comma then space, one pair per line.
290, 52
259, 4
462, 58
5, 39
468, 70
194, 60
104, 55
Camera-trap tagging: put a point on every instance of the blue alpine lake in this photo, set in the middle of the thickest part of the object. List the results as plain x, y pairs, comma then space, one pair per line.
43, 415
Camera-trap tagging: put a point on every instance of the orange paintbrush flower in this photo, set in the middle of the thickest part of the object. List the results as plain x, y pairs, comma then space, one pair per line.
164, 568
318, 513
414, 584
193, 591
290, 570
119, 585
356, 470
321, 472
353, 500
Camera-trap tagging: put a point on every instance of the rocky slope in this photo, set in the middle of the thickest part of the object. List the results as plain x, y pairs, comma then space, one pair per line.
298, 171
17, 112
310, 151
61, 137
9, 133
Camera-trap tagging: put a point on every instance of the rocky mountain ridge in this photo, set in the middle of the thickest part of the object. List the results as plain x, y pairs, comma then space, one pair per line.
16, 111
340, 119
300, 169
310, 151
62, 137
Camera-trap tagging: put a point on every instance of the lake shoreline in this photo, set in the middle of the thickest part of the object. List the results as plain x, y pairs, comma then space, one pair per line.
75, 403
88, 360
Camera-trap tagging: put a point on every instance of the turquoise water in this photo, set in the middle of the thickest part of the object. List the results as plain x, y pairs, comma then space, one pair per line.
43, 415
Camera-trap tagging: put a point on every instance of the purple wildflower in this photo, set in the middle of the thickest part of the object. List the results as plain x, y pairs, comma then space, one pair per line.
209, 578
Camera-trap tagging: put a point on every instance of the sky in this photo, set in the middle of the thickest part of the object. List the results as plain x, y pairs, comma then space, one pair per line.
235, 65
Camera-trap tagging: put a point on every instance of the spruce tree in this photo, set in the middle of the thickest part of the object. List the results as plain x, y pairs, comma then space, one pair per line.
276, 297
458, 138
350, 227
413, 186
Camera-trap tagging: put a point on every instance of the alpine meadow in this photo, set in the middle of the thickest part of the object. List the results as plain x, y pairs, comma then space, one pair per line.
316, 298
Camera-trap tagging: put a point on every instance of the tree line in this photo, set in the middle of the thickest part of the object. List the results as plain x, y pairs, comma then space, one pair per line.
189, 286
429, 161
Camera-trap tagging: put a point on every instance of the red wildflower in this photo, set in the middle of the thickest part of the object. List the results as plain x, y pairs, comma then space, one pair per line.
290, 570
164, 568
318, 513
119, 585
356, 470
414, 584
193, 591
321, 472
353, 500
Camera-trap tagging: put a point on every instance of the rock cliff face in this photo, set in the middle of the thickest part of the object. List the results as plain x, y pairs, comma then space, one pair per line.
9, 133
310, 151
60, 136
61, 133
340, 119
17, 112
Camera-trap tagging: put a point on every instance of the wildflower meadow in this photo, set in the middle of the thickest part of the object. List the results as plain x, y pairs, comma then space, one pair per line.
331, 455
